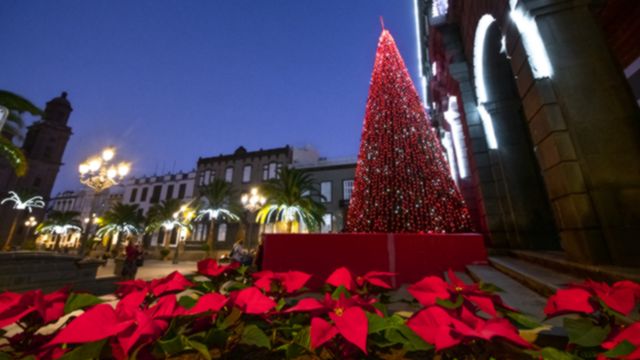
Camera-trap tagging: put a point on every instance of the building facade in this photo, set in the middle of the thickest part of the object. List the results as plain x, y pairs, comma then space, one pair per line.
535, 106
43, 146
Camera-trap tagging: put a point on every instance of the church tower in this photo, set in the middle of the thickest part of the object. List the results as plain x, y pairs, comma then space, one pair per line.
43, 146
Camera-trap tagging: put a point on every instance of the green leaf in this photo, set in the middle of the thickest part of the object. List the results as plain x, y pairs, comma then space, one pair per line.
523, 320
174, 345
187, 302
378, 323
281, 304
216, 337
199, 347
303, 338
87, 351
449, 304
340, 290
622, 349
252, 335
231, 319
584, 332
550, 353
416, 343
80, 301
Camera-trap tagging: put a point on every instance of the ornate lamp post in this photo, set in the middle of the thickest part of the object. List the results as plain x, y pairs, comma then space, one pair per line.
19, 204
252, 202
29, 224
98, 173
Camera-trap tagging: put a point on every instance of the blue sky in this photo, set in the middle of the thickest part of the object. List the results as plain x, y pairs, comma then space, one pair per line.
167, 81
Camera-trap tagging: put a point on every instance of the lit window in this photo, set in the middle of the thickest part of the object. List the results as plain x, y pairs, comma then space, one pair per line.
222, 232
246, 174
265, 172
327, 225
273, 168
325, 191
228, 174
347, 189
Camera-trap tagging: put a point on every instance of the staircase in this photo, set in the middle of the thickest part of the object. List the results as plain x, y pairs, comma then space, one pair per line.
528, 278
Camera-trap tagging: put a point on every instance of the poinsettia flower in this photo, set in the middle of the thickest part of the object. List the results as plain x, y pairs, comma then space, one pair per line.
174, 282
622, 297
502, 328
97, 323
375, 278
49, 307
569, 301
436, 326
291, 281
631, 334
252, 301
210, 267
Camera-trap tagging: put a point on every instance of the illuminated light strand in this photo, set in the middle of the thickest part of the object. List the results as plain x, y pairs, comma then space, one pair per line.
533, 44
403, 181
19, 204
423, 79
478, 71
453, 117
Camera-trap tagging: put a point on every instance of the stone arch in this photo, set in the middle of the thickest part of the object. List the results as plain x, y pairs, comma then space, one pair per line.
524, 217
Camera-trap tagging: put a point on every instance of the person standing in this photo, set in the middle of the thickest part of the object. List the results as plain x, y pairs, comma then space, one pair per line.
130, 267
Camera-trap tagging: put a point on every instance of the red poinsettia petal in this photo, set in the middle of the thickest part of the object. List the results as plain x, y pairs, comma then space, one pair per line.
129, 286
500, 327
631, 334
97, 323
321, 332
173, 282
166, 307
341, 277
208, 302
353, 325
130, 304
455, 280
264, 273
145, 328
568, 301
433, 325
263, 283
378, 282
427, 290
252, 301
306, 305
483, 303
294, 280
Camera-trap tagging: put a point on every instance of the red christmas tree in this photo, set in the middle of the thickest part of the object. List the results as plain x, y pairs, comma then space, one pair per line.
402, 179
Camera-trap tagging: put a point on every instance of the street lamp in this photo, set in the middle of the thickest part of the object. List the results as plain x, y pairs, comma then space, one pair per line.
29, 224
252, 201
99, 173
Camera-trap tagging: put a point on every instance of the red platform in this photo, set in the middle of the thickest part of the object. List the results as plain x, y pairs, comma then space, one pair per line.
411, 256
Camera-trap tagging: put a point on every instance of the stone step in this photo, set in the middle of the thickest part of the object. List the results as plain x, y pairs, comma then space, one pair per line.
515, 294
541, 279
558, 261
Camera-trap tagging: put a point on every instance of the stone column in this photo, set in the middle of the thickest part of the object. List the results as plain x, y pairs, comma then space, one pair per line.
592, 131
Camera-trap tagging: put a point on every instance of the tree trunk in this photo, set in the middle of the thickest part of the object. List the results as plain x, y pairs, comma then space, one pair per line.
167, 239
289, 226
56, 242
12, 230
211, 237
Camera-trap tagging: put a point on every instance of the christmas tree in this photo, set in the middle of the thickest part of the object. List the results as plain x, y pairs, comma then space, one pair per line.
402, 181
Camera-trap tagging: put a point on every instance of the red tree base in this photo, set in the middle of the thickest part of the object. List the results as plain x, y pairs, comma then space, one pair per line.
411, 256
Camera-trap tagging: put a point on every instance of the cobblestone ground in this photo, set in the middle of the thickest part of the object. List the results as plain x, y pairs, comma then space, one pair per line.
152, 269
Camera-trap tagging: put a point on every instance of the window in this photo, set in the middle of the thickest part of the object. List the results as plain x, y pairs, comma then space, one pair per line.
327, 225
185, 176
325, 191
155, 196
265, 172
182, 191
347, 188
222, 232
246, 174
134, 194
273, 168
201, 179
228, 174
169, 192
143, 195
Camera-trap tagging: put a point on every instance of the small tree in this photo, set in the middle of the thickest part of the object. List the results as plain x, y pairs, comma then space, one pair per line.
58, 224
292, 197
166, 216
121, 219
218, 202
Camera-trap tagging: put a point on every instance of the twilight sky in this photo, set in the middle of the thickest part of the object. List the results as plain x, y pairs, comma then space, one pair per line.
168, 81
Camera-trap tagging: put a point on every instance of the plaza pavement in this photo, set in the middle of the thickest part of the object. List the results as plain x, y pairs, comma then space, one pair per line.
152, 269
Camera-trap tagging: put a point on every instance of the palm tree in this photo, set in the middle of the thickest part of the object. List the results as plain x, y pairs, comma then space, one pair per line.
59, 223
121, 219
17, 105
21, 201
292, 197
218, 203
166, 215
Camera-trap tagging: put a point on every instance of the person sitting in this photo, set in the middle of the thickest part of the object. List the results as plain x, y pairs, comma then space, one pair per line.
240, 254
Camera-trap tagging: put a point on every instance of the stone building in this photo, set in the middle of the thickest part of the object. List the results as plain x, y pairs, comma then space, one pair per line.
43, 146
534, 103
